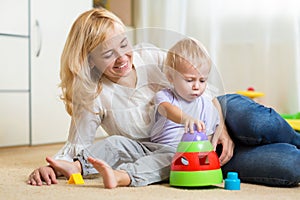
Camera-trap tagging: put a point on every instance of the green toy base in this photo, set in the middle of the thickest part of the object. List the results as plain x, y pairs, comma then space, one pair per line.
196, 178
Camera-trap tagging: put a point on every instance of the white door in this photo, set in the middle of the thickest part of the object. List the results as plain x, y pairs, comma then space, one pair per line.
14, 76
50, 24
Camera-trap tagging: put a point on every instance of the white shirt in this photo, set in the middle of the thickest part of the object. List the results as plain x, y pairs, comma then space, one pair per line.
127, 111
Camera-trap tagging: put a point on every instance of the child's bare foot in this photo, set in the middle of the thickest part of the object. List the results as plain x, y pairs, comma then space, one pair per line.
64, 167
111, 178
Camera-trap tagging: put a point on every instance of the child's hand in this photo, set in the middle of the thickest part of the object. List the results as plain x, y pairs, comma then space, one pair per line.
190, 123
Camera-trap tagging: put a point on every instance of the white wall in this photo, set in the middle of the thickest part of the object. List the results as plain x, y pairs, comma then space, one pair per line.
253, 43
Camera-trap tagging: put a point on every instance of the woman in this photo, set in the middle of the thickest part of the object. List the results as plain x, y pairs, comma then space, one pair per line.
106, 82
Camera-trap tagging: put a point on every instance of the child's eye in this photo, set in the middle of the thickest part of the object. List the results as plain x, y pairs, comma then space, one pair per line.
189, 80
203, 80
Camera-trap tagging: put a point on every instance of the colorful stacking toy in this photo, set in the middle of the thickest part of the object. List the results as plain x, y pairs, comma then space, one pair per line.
195, 163
293, 120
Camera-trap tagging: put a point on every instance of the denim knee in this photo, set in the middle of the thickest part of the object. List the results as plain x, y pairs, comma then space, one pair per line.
272, 164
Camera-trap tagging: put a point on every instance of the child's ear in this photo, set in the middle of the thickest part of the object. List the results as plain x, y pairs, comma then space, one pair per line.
169, 72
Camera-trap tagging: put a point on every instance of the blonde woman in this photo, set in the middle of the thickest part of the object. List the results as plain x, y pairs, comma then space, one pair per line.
107, 82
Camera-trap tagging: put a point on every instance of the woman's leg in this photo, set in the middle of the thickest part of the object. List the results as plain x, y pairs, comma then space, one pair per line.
145, 163
253, 124
114, 150
271, 164
152, 168
266, 147
111, 178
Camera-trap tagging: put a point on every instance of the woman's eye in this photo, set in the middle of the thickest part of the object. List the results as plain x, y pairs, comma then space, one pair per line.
189, 80
124, 44
108, 54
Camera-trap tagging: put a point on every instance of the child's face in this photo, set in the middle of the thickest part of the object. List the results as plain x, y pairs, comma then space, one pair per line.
188, 81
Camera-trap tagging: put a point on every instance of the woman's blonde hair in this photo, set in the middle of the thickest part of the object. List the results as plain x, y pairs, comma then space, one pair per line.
189, 50
80, 83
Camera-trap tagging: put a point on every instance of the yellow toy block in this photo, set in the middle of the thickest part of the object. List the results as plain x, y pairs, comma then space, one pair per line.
76, 179
294, 123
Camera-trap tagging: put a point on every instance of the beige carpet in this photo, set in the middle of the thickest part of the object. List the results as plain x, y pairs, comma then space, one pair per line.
16, 163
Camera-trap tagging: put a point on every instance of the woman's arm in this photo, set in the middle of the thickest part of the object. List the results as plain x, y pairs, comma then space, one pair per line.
176, 115
44, 173
222, 137
81, 135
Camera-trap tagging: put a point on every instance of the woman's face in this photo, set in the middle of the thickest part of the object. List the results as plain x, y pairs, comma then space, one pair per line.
113, 57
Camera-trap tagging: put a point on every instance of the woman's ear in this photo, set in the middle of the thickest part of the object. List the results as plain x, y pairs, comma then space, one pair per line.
91, 63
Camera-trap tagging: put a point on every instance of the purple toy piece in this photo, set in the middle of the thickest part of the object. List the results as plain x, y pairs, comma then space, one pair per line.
196, 136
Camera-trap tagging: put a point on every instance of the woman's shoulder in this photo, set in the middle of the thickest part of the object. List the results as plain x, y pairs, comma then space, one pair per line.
148, 53
144, 46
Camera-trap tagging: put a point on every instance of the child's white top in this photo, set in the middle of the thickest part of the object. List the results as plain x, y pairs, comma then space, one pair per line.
168, 132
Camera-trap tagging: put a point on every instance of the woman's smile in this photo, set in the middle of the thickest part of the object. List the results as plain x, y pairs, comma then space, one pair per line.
125, 65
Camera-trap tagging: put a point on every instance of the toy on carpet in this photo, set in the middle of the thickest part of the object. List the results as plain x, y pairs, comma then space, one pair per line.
195, 163
76, 179
251, 93
232, 182
293, 120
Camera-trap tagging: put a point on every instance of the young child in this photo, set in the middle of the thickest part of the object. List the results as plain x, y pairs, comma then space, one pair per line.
183, 107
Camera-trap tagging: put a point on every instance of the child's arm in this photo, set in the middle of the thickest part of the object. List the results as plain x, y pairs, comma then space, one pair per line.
176, 115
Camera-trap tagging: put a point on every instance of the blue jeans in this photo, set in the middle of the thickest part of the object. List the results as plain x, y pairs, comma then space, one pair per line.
267, 149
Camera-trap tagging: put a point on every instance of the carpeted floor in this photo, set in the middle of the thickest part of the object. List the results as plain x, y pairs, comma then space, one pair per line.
16, 163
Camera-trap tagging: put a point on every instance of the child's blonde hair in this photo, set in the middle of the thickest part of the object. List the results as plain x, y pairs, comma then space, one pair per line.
188, 50
81, 83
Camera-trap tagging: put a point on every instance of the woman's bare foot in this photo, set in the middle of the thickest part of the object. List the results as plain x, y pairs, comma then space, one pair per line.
111, 178
64, 167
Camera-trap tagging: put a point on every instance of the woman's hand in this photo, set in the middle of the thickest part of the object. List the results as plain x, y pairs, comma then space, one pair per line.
222, 137
45, 173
